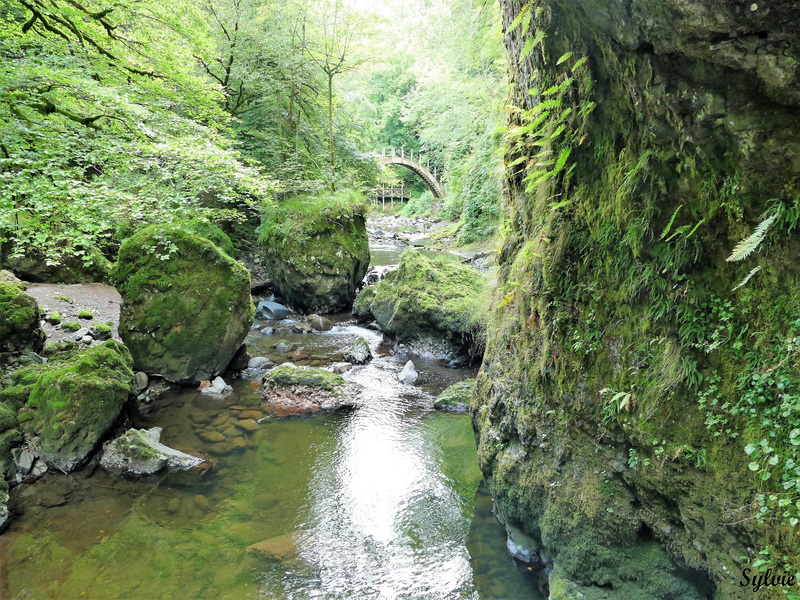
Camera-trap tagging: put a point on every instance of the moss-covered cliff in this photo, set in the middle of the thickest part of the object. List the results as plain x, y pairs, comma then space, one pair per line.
637, 412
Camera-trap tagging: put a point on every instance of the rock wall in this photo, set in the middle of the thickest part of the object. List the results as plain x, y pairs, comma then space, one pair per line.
636, 412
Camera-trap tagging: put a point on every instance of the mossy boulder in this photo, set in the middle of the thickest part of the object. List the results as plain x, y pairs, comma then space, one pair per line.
456, 398
290, 390
20, 329
9, 435
362, 307
186, 305
428, 297
72, 401
318, 264
35, 266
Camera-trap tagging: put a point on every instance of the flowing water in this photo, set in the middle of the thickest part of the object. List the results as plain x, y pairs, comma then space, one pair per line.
380, 501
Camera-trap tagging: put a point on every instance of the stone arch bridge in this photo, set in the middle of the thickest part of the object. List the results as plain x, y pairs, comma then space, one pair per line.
394, 156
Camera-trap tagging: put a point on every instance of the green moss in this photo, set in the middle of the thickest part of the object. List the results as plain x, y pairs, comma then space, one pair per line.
457, 396
425, 295
212, 233
66, 299
8, 417
363, 303
76, 398
311, 377
71, 326
186, 305
54, 318
86, 314
316, 250
19, 320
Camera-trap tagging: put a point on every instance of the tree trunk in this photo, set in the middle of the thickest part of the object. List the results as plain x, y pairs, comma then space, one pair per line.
330, 132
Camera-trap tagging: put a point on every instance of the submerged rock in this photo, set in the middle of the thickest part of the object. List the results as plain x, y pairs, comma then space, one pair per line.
259, 362
408, 374
139, 452
290, 390
186, 305
456, 398
20, 328
320, 323
359, 353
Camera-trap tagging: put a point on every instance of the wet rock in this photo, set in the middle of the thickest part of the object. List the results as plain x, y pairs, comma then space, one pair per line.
320, 323
341, 367
456, 398
141, 380
305, 390
359, 353
259, 362
284, 347
100, 332
87, 339
302, 328
267, 309
219, 421
239, 443
408, 374
250, 414
268, 331
211, 436
202, 503
23, 459
218, 387
139, 452
190, 330
299, 354
240, 359
173, 506
282, 548
247, 424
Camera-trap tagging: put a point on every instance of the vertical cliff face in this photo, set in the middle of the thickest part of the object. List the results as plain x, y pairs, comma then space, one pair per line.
636, 412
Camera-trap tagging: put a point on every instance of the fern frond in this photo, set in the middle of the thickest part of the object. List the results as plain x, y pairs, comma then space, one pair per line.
747, 246
747, 278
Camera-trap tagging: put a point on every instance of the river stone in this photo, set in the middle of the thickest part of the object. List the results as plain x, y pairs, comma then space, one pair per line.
202, 503
408, 374
239, 442
211, 436
247, 424
290, 390
259, 362
359, 353
341, 367
142, 380
298, 354
268, 331
139, 452
80, 334
320, 323
272, 310
185, 317
218, 387
20, 328
75, 399
282, 548
251, 414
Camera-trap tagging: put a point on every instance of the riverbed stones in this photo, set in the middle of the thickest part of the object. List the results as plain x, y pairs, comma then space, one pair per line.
341, 367
217, 387
186, 305
408, 374
282, 548
320, 323
142, 380
20, 328
139, 452
248, 425
212, 436
259, 362
305, 390
359, 353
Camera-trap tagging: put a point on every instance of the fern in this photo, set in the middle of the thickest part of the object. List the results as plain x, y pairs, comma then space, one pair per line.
747, 246
747, 278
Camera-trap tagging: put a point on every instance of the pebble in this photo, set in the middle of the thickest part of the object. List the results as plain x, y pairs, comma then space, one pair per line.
142, 380
212, 436
174, 505
220, 420
239, 442
202, 503
247, 424
251, 414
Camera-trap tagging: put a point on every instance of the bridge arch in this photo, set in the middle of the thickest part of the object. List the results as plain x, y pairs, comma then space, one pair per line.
430, 178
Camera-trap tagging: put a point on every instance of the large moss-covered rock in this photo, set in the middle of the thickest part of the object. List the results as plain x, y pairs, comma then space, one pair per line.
72, 401
426, 298
35, 266
290, 390
318, 264
456, 398
629, 379
20, 329
186, 306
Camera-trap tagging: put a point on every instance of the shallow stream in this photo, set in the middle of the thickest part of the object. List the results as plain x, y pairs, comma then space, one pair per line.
379, 501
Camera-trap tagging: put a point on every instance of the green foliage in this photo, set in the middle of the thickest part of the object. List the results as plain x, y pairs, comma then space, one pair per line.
419, 206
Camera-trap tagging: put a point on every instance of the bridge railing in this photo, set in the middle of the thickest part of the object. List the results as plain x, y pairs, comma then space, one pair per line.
393, 152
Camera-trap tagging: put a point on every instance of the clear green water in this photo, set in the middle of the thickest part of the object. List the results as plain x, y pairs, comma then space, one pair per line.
382, 501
